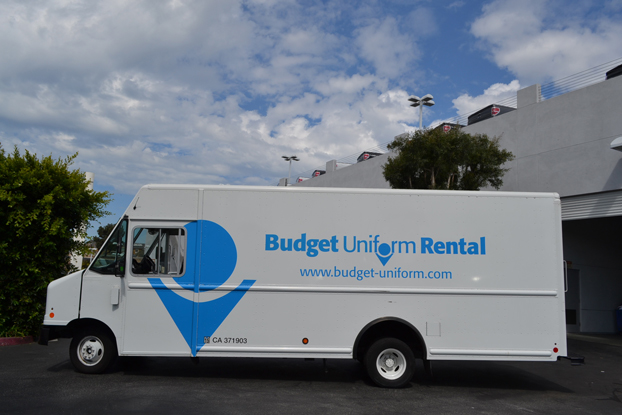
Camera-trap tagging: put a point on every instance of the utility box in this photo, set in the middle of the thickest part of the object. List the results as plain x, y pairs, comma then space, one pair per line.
447, 126
367, 155
489, 112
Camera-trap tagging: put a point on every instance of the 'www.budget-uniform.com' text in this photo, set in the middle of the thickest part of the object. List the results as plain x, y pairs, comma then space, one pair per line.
360, 274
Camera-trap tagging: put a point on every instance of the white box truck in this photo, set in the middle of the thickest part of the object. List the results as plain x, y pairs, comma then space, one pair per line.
382, 276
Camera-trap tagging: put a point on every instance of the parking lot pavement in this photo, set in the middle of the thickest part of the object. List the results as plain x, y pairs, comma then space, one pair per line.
39, 379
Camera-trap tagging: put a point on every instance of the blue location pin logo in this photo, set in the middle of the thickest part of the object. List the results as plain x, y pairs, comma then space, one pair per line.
384, 253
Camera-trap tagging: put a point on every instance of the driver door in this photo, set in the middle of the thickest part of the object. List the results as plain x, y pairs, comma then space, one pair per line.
102, 282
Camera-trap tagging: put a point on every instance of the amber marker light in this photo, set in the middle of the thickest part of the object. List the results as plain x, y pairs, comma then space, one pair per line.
51, 315
305, 341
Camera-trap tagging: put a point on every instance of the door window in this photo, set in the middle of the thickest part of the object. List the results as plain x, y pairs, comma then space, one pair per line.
158, 251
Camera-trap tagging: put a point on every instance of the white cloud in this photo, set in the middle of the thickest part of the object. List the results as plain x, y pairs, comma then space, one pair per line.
200, 91
391, 52
348, 85
171, 134
541, 41
615, 5
456, 5
422, 22
466, 104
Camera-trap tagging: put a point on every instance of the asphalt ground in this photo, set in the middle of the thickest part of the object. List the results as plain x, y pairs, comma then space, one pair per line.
38, 379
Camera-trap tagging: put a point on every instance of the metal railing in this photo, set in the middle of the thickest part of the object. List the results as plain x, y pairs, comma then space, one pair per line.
547, 91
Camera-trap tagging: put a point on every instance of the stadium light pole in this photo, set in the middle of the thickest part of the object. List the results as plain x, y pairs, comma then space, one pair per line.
290, 158
427, 100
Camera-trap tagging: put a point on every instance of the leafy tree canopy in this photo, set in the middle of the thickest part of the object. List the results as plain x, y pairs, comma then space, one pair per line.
102, 234
453, 160
44, 208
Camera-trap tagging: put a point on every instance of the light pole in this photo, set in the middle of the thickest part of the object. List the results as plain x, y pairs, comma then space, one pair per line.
427, 100
290, 158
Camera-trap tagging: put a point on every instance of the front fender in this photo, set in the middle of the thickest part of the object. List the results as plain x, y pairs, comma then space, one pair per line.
63, 300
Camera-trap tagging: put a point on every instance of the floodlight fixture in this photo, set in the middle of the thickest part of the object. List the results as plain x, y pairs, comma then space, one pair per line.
427, 100
290, 158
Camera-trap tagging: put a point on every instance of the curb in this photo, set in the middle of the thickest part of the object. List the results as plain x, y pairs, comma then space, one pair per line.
13, 341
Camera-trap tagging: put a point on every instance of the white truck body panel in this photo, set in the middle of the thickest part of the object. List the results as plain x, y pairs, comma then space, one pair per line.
479, 275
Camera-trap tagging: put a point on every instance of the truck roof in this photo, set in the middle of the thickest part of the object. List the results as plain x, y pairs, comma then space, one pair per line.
350, 190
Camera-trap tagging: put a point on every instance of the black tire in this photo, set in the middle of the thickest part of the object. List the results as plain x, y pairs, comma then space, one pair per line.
390, 363
92, 351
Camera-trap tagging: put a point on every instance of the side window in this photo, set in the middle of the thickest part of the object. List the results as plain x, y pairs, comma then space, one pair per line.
112, 253
158, 251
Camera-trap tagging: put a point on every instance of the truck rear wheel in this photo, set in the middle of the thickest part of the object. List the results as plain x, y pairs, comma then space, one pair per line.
390, 363
92, 351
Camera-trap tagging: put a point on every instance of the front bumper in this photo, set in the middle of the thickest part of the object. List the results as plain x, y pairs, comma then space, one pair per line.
47, 333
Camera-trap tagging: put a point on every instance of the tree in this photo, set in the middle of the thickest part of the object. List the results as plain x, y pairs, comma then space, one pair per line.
102, 234
453, 160
44, 208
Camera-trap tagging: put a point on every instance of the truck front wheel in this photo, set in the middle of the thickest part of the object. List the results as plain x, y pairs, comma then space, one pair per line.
92, 351
390, 363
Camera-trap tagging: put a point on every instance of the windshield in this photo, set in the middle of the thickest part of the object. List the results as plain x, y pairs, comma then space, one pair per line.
113, 252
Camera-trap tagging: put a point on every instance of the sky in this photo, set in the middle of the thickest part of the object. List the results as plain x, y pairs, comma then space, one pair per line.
216, 91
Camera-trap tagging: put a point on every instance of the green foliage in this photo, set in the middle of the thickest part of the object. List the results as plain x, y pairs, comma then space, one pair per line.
43, 206
102, 234
454, 160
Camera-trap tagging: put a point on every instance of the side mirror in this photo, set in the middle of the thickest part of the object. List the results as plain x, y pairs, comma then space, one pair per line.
119, 267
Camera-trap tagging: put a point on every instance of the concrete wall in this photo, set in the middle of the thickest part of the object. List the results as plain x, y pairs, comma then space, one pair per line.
366, 174
562, 144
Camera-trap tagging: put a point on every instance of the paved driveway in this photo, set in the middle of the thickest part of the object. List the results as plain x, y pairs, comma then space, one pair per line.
37, 379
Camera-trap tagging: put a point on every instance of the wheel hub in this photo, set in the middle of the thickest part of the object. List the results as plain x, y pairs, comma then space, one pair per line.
91, 351
391, 364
